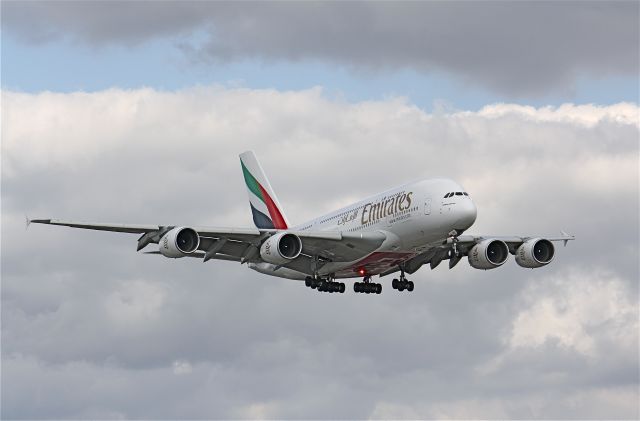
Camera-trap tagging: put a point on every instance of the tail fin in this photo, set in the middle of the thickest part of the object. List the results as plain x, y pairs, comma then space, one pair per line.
266, 210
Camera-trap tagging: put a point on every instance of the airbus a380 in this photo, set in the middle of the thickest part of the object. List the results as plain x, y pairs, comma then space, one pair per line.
397, 231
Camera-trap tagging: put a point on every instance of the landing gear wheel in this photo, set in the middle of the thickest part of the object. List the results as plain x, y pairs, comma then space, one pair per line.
367, 287
341, 288
403, 283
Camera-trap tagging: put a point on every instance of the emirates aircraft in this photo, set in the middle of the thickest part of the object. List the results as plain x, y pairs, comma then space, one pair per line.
397, 231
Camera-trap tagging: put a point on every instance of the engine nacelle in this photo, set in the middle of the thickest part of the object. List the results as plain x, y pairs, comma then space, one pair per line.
179, 242
535, 253
488, 254
281, 248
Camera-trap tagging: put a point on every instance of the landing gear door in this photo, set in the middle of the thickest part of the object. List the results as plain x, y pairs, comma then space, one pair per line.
427, 206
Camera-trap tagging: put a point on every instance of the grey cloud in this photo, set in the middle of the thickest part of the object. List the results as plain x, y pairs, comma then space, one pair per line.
519, 49
140, 336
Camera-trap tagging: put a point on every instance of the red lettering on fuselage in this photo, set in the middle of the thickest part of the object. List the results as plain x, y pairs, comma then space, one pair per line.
372, 212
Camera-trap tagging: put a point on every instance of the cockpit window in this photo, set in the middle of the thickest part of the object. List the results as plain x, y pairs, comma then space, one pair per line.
465, 193
458, 193
446, 195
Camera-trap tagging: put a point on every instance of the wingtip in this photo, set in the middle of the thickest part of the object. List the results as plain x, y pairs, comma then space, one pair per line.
38, 221
28, 221
566, 240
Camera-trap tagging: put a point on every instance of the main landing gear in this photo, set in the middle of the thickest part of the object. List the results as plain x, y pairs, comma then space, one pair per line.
403, 283
324, 285
367, 287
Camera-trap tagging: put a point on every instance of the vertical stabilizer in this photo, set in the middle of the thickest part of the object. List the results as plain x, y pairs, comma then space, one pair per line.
266, 210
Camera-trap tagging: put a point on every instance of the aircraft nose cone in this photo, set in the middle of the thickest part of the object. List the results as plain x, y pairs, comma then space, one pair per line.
466, 213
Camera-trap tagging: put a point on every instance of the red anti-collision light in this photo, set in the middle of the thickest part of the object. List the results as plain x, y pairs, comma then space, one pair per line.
361, 271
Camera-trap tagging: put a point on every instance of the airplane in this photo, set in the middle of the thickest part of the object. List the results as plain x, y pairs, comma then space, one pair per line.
398, 230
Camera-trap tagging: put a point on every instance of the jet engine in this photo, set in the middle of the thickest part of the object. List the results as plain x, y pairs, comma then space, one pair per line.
179, 242
281, 248
488, 254
535, 253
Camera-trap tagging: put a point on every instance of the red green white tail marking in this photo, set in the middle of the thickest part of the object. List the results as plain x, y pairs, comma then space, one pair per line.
265, 208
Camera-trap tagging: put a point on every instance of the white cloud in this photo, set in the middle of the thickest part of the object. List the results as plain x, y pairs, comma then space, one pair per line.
587, 115
615, 403
135, 303
579, 309
181, 367
217, 340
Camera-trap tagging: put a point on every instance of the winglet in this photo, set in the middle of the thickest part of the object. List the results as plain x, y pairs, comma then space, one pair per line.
566, 240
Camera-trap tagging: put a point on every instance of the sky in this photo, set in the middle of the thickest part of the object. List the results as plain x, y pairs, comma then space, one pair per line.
135, 112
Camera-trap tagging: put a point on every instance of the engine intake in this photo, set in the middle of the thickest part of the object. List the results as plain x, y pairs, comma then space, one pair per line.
488, 254
535, 253
281, 248
179, 242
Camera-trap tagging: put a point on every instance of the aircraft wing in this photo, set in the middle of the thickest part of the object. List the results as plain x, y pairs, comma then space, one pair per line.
437, 252
133, 229
468, 241
243, 244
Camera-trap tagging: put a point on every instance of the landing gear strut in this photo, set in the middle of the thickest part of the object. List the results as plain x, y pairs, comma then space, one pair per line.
367, 287
324, 285
403, 283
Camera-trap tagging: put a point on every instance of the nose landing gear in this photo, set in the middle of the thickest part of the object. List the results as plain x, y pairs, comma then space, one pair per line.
402, 283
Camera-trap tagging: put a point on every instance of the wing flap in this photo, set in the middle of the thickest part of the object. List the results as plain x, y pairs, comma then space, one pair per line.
229, 246
341, 247
200, 255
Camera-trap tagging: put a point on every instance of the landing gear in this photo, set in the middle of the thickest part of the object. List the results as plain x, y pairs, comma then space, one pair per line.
367, 287
403, 283
324, 285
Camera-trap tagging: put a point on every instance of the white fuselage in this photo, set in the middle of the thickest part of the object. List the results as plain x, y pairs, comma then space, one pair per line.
414, 217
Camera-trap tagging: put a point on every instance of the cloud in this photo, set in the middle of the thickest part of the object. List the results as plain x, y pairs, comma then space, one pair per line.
132, 335
181, 367
593, 314
574, 308
520, 49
